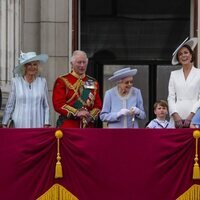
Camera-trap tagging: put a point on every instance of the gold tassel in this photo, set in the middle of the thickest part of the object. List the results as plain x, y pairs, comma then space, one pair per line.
58, 169
58, 172
196, 172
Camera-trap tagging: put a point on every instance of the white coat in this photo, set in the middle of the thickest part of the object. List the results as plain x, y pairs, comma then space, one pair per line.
184, 94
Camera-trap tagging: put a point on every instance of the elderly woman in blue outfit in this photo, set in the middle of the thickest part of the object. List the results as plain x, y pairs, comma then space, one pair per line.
123, 104
28, 100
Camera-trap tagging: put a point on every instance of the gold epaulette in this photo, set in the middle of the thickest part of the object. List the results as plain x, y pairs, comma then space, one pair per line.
63, 75
90, 77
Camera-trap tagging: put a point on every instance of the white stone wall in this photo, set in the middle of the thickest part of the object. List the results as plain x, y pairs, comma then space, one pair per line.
10, 18
9, 39
34, 25
54, 40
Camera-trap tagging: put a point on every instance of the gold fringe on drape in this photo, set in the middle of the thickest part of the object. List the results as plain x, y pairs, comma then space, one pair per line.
58, 169
193, 193
196, 170
57, 192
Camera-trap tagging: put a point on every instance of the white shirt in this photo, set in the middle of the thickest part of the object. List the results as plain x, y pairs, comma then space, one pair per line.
156, 123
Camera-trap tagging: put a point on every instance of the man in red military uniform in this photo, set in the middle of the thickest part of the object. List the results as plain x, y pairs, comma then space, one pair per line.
76, 95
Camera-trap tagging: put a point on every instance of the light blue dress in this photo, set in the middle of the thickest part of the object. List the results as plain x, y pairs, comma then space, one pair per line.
114, 102
196, 119
28, 103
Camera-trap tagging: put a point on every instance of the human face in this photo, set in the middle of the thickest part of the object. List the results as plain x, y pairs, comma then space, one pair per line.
79, 64
184, 56
31, 68
125, 84
161, 112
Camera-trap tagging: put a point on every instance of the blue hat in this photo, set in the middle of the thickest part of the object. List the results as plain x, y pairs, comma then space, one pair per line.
122, 73
29, 57
190, 42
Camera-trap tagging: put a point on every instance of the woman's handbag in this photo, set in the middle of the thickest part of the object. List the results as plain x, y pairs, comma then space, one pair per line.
10, 123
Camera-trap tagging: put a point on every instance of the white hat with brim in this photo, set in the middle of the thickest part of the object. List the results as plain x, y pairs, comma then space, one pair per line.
123, 73
192, 42
29, 57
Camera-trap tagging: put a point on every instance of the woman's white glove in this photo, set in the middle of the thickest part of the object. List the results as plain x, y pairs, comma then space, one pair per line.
123, 112
135, 111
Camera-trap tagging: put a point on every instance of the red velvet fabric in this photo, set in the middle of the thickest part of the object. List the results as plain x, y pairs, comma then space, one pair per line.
98, 163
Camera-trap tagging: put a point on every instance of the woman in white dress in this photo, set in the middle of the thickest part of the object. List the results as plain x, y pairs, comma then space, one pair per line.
28, 100
184, 86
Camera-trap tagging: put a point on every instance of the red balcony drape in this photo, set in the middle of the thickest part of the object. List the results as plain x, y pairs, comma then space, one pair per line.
98, 163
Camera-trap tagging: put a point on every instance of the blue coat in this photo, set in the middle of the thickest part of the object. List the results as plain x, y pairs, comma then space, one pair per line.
113, 103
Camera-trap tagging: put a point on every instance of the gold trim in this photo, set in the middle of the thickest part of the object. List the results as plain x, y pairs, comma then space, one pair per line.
58, 169
75, 88
193, 193
70, 109
196, 171
94, 113
57, 192
78, 76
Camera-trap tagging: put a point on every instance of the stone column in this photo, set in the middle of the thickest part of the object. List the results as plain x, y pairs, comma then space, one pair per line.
54, 41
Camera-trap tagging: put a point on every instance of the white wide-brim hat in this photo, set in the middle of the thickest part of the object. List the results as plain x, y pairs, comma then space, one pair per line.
192, 42
123, 73
29, 57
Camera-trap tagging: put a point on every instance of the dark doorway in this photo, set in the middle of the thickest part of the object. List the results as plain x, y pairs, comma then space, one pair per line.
141, 34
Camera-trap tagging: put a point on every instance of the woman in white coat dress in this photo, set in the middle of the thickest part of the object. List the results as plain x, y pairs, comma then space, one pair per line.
184, 86
123, 104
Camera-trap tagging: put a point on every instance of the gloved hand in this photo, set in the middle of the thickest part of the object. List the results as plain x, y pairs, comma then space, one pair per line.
123, 112
135, 110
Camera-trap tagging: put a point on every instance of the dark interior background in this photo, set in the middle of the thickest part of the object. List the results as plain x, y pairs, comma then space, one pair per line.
139, 33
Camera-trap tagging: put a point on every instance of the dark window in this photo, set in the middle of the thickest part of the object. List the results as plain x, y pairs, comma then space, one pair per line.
134, 30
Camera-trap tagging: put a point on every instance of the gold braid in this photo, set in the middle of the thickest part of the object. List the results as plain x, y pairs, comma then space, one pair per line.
75, 89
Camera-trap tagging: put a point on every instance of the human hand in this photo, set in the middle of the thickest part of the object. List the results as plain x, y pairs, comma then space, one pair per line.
89, 119
123, 112
83, 113
188, 120
179, 124
194, 125
135, 111
177, 120
186, 123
